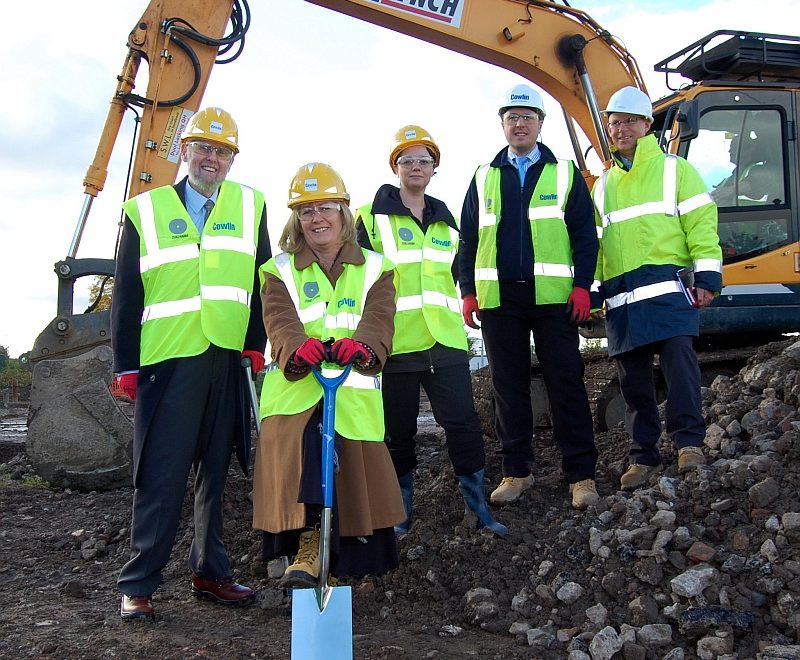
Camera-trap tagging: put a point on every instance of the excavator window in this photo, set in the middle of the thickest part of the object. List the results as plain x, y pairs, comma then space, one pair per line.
739, 153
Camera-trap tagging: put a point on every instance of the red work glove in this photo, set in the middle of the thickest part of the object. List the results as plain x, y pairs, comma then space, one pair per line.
578, 305
311, 352
127, 383
469, 307
256, 360
346, 351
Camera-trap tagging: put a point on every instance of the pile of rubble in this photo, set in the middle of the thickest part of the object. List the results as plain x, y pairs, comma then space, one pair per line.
704, 564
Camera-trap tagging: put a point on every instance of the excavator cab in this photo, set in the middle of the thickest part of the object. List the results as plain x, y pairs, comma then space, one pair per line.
736, 124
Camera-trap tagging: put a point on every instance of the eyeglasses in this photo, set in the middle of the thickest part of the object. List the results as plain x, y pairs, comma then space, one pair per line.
205, 149
513, 118
307, 213
407, 162
616, 123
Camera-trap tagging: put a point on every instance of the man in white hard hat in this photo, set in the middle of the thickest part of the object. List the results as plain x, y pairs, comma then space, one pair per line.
527, 259
186, 311
658, 229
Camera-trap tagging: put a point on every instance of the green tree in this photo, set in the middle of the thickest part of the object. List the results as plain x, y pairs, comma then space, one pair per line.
13, 371
100, 291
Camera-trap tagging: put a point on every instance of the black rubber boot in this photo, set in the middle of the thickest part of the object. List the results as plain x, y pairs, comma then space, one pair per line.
407, 491
471, 487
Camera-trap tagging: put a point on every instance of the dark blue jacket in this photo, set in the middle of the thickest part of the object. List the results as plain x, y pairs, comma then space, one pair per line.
514, 243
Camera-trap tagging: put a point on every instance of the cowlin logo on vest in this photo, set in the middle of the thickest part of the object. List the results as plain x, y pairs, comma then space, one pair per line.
178, 228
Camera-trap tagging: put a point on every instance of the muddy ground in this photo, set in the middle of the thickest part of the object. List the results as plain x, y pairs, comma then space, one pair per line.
60, 552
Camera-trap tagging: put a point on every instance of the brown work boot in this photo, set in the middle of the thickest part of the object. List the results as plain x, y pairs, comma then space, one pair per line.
636, 475
584, 494
510, 489
690, 458
303, 573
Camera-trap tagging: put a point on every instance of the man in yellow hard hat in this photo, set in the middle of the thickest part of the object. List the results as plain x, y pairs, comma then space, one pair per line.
657, 223
527, 257
419, 234
186, 310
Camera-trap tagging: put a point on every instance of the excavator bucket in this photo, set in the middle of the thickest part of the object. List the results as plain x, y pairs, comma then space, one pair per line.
79, 435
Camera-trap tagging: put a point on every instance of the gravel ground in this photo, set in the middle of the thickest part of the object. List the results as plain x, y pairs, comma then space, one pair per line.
700, 565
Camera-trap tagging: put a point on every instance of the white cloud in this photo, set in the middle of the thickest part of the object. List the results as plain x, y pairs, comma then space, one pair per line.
311, 85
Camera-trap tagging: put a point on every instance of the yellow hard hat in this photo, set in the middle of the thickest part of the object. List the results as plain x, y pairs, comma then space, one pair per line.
410, 136
213, 125
314, 182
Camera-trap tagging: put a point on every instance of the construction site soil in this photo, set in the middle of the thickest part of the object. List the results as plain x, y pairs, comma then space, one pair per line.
698, 565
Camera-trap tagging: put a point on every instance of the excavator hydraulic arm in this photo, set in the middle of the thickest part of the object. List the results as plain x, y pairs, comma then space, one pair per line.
560, 49
79, 435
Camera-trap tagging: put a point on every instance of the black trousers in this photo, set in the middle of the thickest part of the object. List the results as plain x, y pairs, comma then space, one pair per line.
449, 390
506, 335
683, 410
193, 426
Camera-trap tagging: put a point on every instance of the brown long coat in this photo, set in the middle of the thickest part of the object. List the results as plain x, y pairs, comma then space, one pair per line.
367, 490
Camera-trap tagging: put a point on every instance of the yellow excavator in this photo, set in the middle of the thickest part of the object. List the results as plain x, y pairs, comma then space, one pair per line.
744, 96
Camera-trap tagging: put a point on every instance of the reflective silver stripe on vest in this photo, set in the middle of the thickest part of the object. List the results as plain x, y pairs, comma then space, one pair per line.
432, 298
599, 197
714, 265
346, 320
245, 244
284, 264
484, 219
387, 237
312, 313
170, 308
595, 286
432, 254
486, 274
224, 292
552, 270
555, 210
689, 205
156, 256
407, 256
354, 379
643, 293
666, 206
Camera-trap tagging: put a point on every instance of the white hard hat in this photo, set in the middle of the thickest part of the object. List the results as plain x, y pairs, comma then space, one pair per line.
522, 96
632, 101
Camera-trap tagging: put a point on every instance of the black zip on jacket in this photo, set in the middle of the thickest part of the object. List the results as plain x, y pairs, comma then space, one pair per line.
514, 244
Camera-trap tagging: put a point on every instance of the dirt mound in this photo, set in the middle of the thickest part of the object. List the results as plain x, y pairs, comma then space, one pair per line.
704, 564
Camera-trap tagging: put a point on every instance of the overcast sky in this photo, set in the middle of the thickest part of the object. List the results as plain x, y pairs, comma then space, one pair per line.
311, 85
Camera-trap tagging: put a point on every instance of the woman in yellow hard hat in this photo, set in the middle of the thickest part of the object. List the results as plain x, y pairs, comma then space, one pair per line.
323, 285
419, 234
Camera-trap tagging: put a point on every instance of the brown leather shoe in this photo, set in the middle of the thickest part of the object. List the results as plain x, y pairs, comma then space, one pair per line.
137, 607
223, 591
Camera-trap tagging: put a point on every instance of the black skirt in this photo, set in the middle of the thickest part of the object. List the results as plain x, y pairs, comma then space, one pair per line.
351, 556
